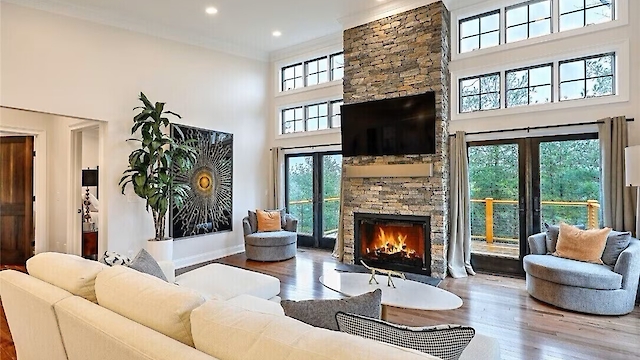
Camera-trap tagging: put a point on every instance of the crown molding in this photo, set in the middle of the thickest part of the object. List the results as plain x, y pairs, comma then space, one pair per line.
63, 8
382, 11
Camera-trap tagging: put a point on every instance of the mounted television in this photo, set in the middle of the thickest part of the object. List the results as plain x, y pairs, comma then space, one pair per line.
398, 126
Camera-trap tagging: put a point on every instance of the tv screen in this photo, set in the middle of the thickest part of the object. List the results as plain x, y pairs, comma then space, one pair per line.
398, 126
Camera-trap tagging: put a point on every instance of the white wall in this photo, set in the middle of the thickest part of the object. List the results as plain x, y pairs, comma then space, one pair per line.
62, 65
558, 46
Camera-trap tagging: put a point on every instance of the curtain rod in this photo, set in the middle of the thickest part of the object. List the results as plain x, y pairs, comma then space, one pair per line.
528, 129
308, 147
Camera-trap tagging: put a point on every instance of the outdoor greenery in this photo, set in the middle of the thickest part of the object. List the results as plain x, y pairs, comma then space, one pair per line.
569, 172
150, 166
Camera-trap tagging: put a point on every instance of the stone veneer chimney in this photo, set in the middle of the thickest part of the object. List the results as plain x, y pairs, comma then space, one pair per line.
404, 54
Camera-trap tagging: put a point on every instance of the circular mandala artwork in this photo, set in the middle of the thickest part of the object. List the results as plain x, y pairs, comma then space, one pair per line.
208, 207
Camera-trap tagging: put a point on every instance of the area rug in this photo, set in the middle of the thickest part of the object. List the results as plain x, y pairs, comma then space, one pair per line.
414, 277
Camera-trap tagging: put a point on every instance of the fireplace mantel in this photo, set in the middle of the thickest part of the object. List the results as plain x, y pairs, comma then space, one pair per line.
389, 170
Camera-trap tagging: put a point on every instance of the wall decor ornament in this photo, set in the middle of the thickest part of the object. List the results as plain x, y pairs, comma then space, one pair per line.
208, 207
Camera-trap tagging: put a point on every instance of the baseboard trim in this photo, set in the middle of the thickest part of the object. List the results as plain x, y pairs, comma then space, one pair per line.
212, 255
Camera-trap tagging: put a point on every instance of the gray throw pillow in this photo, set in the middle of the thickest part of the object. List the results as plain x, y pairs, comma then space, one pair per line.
145, 263
443, 341
553, 231
322, 313
616, 243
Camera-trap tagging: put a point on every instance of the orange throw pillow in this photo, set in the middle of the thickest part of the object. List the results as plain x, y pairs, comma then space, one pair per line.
268, 220
581, 245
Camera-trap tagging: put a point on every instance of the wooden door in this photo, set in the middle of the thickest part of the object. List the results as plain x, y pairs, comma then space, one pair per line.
16, 199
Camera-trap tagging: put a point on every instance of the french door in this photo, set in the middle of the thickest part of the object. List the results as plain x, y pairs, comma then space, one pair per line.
313, 196
518, 185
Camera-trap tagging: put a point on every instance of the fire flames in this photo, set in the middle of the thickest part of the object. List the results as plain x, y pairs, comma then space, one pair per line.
392, 242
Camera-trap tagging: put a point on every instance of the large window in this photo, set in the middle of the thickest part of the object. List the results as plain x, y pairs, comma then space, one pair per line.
529, 86
480, 32
528, 20
587, 77
579, 13
480, 93
292, 77
312, 72
312, 117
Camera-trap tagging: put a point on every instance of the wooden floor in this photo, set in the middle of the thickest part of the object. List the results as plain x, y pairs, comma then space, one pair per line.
494, 305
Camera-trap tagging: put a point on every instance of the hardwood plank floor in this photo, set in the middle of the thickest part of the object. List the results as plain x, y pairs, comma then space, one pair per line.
494, 305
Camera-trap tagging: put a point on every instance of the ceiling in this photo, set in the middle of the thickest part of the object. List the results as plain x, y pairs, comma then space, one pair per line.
241, 26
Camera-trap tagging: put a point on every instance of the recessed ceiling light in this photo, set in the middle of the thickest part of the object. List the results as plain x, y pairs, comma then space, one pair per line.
276, 33
211, 10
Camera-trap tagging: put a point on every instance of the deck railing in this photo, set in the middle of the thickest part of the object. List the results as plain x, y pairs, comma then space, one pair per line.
593, 209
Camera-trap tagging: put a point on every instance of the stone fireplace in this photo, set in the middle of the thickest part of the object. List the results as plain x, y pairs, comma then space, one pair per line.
400, 55
397, 242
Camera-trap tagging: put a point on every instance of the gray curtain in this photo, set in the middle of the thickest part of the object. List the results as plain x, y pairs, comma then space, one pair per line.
459, 252
338, 249
617, 199
277, 172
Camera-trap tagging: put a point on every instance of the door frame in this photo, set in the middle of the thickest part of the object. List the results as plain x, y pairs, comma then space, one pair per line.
41, 235
316, 240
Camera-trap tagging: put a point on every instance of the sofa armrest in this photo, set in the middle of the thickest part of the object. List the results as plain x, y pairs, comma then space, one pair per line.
628, 265
538, 244
482, 347
291, 223
246, 226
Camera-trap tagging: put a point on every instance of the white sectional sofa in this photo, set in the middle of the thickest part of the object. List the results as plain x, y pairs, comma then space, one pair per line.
76, 309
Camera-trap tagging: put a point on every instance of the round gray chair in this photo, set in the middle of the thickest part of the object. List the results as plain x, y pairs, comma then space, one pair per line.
272, 245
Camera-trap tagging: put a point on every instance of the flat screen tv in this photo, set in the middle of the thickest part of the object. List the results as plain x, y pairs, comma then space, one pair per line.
398, 126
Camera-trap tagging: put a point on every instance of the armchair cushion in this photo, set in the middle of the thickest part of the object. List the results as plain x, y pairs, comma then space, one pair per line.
572, 273
616, 243
253, 219
271, 238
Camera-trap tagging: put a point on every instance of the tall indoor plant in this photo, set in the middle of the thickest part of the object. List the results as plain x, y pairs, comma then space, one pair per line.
153, 167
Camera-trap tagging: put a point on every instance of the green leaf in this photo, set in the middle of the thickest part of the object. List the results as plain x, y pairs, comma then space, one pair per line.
174, 114
146, 101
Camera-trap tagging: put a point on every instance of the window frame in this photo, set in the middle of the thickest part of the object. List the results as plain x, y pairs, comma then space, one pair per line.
306, 117
528, 23
331, 68
528, 68
283, 79
283, 122
480, 33
585, 58
318, 72
480, 93
584, 14
332, 115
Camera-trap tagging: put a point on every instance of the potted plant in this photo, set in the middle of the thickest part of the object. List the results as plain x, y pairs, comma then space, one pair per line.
153, 167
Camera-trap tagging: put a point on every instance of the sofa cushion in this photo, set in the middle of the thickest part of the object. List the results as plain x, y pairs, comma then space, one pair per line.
322, 313
616, 243
581, 245
232, 333
444, 341
273, 238
552, 236
68, 272
149, 301
572, 273
145, 263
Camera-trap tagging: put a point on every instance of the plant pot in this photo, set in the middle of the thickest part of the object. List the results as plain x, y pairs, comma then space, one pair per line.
161, 250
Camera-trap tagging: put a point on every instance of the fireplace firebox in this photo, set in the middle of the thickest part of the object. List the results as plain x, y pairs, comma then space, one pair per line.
395, 242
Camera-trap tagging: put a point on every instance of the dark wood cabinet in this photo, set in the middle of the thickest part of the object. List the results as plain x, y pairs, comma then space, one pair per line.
90, 245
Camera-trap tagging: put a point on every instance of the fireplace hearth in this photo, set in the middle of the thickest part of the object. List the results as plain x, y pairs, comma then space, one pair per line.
395, 242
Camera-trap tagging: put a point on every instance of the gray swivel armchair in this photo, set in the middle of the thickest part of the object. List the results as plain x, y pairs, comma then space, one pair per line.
272, 245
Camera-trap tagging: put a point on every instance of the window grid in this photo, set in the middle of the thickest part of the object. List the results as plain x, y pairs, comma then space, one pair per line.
529, 21
527, 86
317, 116
585, 9
481, 94
480, 33
586, 78
292, 77
316, 71
337, 66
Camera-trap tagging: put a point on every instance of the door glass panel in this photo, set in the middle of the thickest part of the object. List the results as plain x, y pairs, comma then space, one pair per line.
300, 192
494, 186
570, 182
331, 175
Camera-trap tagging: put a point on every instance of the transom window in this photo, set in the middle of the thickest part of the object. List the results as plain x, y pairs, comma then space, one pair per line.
312, 117
480, 93
480, 31
587, 77
529, 86
528, 20
292, 77
317, 71
313, 72
579, 13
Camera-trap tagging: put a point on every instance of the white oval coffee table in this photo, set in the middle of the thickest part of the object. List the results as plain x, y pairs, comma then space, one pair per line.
407, 294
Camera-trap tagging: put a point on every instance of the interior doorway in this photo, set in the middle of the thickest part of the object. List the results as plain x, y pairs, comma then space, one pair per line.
17, 231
